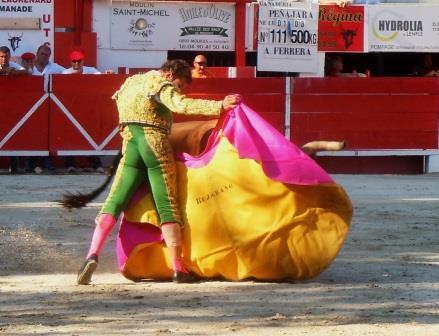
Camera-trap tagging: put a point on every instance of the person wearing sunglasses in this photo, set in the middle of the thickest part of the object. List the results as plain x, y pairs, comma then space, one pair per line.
200, 67
77, 59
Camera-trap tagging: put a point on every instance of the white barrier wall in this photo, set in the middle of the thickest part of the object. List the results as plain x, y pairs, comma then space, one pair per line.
108, 58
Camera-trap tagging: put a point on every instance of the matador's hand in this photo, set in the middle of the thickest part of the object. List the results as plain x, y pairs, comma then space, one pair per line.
231, 101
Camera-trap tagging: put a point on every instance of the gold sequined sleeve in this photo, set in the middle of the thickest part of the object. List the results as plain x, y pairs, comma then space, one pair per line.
179, 103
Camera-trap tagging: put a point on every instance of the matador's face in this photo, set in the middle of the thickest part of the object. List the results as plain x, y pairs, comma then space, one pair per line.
179, 83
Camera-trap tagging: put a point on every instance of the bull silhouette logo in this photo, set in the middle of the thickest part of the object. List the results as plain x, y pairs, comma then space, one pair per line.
14, 41
348, 36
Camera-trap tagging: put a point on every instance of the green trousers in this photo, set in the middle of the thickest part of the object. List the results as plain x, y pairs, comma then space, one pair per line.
146, 155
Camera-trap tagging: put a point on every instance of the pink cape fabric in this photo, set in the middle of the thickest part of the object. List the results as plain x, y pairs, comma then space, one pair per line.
253, 138
256, 139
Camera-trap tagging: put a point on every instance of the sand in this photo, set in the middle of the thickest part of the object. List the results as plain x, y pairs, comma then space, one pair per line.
384, 281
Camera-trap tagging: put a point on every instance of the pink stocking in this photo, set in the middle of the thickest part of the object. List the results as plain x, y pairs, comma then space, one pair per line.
172, 235
104, 225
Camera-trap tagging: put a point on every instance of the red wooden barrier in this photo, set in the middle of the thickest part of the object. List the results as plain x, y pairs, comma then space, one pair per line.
218, 72
215, 72
246, 72
24, 116
83, 117
132, 71
264, 95
369, 113
232, 72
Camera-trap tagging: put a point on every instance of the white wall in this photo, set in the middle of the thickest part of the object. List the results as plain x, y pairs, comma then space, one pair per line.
108, 58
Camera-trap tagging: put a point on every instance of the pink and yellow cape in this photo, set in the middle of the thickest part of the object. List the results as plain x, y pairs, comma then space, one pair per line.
254, 206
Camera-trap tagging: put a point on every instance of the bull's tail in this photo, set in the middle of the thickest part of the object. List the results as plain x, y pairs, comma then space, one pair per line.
79, 200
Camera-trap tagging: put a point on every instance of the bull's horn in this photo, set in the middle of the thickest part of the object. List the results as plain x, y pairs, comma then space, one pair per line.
319, 146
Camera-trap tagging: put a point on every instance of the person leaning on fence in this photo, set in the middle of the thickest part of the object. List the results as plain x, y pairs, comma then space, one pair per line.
7, 67
426, 68
27, 61
77, 59
199, 69
43, 65
144, 103
334, 67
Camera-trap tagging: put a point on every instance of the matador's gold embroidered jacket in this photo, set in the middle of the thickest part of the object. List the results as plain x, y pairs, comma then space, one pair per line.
150, 99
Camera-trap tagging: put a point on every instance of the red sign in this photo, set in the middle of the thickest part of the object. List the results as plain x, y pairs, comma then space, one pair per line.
341, 28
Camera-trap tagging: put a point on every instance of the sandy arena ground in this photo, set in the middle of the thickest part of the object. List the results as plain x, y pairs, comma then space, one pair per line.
385, 281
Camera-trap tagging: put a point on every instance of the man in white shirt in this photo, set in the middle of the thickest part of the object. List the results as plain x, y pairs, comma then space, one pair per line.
6, 66
43, 66
77, 59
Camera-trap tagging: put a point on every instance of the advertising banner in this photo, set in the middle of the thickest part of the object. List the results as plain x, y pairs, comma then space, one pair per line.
25, 25
287, 37
147, 25
341, 29
403, 28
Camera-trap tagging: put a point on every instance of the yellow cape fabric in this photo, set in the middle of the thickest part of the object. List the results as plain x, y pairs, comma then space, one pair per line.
240, 224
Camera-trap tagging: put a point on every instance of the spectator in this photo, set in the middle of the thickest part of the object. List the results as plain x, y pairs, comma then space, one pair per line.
427, 68
200, 67
6, 66
77, 59
43, 66
335, 66
27, 61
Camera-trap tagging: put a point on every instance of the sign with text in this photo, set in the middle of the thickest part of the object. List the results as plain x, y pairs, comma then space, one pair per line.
25, 25
403, 28
287, 37
146, 25
341, 28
